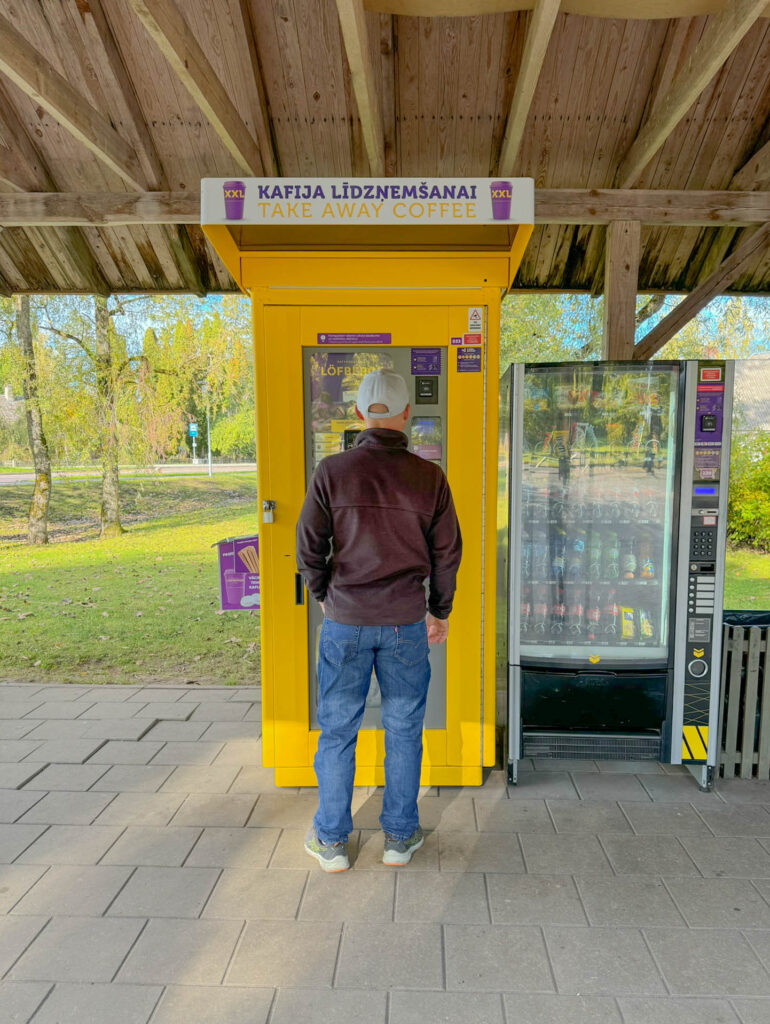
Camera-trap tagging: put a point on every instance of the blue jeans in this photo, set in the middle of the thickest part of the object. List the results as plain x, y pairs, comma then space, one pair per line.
346, 656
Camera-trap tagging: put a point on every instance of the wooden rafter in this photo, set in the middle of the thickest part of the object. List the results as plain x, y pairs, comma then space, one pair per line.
535, 47
621, 274
714, 285
33, 74
354, 36
722, 34
172, 35
755, 173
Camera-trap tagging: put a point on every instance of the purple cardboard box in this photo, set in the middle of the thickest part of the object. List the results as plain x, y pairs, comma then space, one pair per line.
238, 573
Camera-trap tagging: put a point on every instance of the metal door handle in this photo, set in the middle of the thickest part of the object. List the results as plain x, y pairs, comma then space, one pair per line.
299, 589
267, 510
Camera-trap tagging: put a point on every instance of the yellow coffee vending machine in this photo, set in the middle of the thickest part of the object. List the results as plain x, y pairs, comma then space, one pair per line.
346, 276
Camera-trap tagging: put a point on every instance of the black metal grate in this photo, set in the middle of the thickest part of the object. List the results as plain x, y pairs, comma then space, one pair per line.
593, 745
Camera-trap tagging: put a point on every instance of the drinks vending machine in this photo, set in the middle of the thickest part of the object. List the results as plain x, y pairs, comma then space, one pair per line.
612, 505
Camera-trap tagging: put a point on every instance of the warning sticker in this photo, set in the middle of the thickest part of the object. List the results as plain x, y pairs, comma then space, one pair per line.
475, 318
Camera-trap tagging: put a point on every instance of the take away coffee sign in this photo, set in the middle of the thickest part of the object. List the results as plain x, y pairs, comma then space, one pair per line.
367, 201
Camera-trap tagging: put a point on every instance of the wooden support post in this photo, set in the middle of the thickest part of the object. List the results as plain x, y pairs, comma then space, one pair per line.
693, 303
621, 274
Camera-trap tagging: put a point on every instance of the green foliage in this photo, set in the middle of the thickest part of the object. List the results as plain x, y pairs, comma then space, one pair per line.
549, 328
748, 512
233, 436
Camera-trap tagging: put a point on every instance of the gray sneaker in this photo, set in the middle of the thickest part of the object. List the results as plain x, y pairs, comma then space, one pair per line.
399, 851
332, 857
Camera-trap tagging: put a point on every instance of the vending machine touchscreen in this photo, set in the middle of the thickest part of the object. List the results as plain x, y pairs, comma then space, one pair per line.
331, 380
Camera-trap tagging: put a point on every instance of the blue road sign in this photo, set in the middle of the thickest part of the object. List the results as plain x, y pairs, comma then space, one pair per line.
193, 430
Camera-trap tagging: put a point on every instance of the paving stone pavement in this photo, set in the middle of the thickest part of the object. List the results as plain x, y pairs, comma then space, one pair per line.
151, 873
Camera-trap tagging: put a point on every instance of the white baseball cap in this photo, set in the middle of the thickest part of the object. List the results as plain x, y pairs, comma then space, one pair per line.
382, 387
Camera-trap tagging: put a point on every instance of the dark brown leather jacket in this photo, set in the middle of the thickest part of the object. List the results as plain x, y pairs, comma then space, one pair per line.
376, 522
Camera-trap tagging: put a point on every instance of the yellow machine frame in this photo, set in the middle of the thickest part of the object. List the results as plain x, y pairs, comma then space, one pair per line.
421, 298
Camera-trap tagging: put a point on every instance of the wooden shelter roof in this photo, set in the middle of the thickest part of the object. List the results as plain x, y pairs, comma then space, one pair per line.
104, 99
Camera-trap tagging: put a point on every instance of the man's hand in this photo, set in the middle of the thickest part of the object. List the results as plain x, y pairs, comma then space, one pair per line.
437, 629
323, 610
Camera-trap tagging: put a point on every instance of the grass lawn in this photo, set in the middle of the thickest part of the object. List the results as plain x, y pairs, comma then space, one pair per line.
142, 607
747, 580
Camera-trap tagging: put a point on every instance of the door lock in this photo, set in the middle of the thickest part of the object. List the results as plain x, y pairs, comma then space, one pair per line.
268, 507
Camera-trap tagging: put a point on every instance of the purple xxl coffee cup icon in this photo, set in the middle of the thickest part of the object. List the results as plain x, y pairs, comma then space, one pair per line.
501, 199
235, 193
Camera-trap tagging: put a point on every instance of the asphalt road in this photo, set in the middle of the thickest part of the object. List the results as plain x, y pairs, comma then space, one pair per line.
167, 469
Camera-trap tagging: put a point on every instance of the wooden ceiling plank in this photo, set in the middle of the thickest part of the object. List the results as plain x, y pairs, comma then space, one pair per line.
170, 32
427, 143
384, 45
716, 284
322, 58
469, 85
33, 74
265, 138
449, 75
755, 173
539, 34
358, 51
621, 276
407, 97
722, 34
290, 59
156, 178
499, 42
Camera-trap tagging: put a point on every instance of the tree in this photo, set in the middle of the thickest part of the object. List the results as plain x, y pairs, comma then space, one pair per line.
106, 390
37, 531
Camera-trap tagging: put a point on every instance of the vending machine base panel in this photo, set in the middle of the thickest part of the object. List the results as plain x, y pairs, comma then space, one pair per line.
595, 746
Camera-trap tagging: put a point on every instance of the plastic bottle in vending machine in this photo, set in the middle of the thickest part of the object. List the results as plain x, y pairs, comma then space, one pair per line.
628, 559
576, 556
575, 612
526, 611
646, 564
558, 612
540, 610
611, 557
540, 555
593, 616
615, 505
595, 555
558, 545
610, 616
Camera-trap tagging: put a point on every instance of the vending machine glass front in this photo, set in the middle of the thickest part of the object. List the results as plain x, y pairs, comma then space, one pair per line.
597, 512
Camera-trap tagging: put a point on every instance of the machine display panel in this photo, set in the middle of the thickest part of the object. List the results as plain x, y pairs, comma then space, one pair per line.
597, 493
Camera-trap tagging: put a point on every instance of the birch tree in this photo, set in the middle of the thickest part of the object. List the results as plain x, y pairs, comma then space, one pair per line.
37, 530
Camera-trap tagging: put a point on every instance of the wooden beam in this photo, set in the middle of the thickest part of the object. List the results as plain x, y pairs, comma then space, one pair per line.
172, 35
621, 276
99, 209
714, 285
721, 35
552, 206
354, 36
32, 73
651, 206
535, 46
